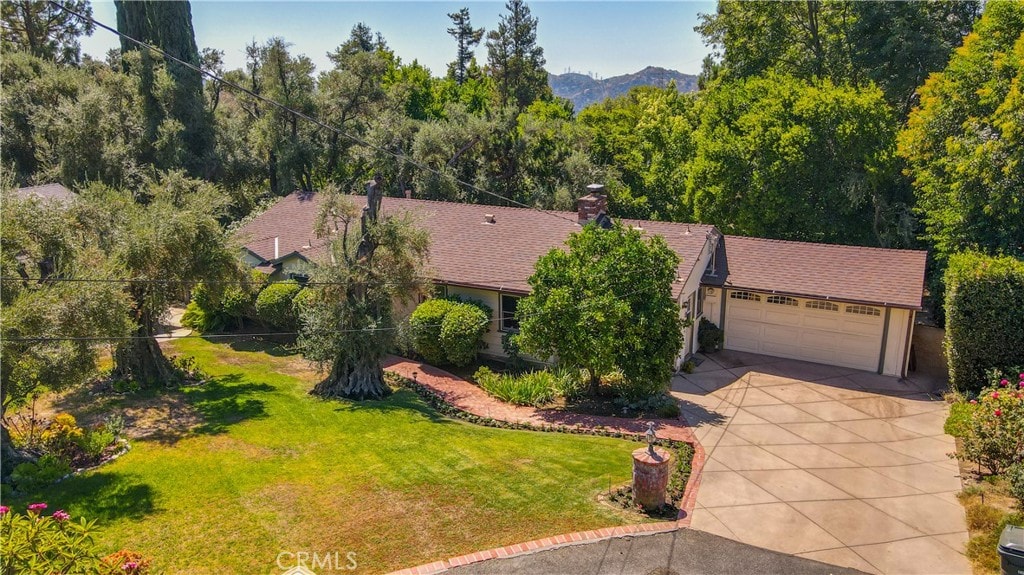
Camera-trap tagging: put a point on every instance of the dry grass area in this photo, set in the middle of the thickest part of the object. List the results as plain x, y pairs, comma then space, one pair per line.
989, 508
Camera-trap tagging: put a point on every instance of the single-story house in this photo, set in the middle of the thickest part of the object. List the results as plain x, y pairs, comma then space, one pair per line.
840, 305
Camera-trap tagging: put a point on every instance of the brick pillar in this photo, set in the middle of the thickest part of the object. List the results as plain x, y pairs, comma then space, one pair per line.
650, 476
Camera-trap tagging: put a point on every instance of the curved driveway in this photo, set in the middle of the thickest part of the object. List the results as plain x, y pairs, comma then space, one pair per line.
837, 465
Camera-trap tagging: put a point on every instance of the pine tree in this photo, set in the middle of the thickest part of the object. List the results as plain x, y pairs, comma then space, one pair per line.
515, 60
467, 38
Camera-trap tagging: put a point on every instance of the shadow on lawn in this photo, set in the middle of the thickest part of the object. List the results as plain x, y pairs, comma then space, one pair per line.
226, 400
106, 495
401, 400
263, 345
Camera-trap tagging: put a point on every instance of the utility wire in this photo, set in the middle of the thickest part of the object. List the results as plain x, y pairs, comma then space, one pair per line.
399, 156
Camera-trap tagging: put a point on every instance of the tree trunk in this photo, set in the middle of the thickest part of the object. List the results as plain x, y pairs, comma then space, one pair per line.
143, 361
359, 380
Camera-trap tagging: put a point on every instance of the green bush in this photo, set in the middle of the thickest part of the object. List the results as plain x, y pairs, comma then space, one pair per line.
31, 476
274, 304
445, 331
570, 383
513, 354
95, 442
536, 388
207, 311
1015, 480
462, 329
425, 326
630, 390
709, 336
994, 433
958, 423
984, 316
36, 543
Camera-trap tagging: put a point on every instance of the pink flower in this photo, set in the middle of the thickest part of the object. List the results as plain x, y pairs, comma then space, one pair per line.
995, 395
999, 412
4, 509
61, 515
1021, 385
130, 566
1003, 383
974, 402
37, 507
1022, 376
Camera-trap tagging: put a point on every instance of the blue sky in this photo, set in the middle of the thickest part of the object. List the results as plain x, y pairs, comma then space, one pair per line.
603, 38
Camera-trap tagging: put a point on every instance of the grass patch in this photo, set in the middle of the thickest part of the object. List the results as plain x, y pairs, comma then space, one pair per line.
989, 508
266, 468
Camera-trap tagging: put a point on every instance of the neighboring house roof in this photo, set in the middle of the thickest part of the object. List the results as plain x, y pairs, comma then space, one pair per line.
464, 250
47, 192
850, 273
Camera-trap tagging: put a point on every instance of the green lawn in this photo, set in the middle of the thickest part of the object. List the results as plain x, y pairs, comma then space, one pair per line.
270, 468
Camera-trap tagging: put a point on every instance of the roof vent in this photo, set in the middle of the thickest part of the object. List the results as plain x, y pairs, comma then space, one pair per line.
489, 218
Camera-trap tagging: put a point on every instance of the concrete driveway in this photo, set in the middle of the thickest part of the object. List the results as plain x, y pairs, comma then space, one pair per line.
836, 465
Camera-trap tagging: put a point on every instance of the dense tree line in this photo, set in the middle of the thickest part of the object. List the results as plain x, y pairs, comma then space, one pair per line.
815, 120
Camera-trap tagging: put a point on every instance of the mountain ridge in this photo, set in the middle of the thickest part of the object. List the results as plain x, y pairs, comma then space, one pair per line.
584, 90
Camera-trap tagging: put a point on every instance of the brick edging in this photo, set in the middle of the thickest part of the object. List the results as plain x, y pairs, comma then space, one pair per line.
683, 520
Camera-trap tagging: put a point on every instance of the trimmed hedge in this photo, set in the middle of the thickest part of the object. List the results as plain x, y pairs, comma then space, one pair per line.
984, 317
274, 304
446, 331
425, 325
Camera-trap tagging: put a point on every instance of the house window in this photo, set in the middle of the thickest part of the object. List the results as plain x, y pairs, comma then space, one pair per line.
863, 310
822, 305
783, 300
509, 303
744, 295
700, 302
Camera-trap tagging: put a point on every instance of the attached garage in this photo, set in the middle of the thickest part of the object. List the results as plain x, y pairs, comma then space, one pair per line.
838, 305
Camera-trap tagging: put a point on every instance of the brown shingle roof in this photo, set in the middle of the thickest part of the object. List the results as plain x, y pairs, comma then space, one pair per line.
850, 273
500, 256
463, 249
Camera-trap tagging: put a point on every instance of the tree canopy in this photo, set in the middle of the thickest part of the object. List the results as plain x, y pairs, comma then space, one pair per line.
606, 304
44, 30
964, 144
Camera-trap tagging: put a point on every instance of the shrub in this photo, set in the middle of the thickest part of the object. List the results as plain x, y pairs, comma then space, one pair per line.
958, 423
1015, 480
536, 388
446, 331
994, 435
631, 390
207, 311
128, 562
462, 329
984, 316
37, 543
31, 476
425, 325
709, 336
95, 442
62, 437
274, 304
513, 354
571, 383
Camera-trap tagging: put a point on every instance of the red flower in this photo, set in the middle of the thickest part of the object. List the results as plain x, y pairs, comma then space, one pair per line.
999, 412
1003, 383
37, 507
995, 395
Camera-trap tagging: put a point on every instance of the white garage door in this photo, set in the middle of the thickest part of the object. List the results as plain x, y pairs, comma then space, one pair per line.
835, 333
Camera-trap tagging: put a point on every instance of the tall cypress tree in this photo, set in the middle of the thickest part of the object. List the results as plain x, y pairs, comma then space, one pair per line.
168, 26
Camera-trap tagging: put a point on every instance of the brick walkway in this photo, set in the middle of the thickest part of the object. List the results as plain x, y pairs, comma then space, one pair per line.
470, 398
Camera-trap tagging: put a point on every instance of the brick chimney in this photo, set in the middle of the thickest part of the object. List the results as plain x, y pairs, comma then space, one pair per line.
592, 204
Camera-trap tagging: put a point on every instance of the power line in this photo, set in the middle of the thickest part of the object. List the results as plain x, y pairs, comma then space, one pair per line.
357, 140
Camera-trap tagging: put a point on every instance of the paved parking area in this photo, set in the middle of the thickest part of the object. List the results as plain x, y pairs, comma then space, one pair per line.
836, 465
